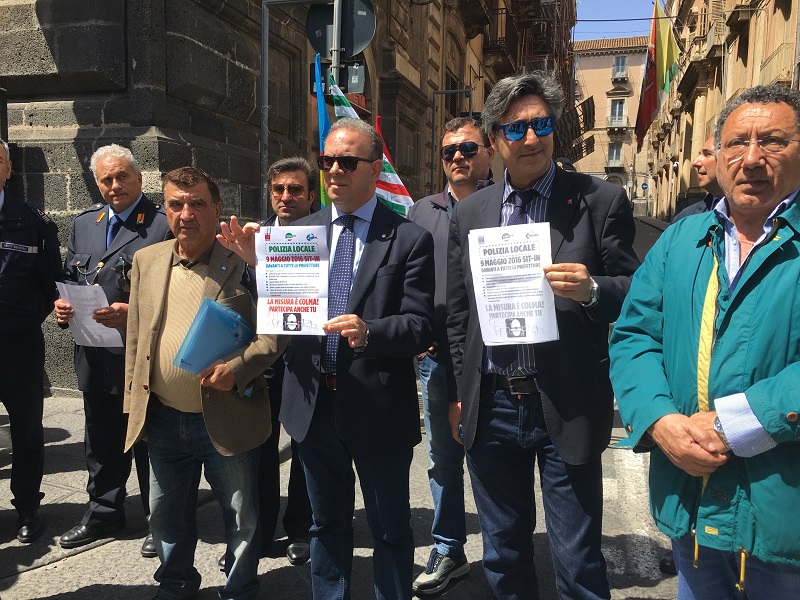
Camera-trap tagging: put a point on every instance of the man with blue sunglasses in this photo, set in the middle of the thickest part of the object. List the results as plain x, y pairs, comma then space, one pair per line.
517, 404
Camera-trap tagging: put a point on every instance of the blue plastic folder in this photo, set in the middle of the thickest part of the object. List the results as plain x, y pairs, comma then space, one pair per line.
216, 332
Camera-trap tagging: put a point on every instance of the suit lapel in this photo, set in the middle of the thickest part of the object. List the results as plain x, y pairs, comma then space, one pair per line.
379, 240
158, 271
562, 207
221, 267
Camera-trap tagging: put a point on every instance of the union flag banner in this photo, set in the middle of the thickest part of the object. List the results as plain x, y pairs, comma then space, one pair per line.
391, 190
661, 68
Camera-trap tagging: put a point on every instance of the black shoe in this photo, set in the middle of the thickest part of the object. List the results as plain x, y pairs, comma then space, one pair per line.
298, 551
81, 534
667, 564
221, 562
30, 526
149, 546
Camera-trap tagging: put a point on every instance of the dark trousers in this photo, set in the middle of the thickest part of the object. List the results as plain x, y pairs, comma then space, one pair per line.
384, 477
108, 466
297, 516
21, 391
511, 437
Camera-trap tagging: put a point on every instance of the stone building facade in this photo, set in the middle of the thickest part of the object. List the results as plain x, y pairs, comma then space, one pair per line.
727, 46
178, 81
610, 70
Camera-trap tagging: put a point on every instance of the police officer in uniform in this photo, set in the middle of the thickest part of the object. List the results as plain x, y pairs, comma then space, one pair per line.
102, 241
30, 263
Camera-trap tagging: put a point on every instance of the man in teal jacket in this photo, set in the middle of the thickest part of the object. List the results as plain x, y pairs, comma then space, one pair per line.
706, 364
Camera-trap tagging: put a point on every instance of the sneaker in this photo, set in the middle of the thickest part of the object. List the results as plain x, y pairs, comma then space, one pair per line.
440, 571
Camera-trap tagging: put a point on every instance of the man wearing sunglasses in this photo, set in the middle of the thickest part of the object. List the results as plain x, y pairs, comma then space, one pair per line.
466, 159
552, 402
293, 183
350, 397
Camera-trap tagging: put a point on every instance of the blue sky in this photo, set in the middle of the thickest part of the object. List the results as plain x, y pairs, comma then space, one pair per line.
614, 11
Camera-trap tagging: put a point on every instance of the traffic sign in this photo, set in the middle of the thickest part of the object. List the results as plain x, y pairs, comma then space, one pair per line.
645, 186
358, 27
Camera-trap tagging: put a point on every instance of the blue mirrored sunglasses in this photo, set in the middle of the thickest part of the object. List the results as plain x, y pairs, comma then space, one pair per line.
513, 132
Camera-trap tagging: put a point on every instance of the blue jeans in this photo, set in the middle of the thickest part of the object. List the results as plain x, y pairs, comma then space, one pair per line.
511, 436
445, 462
330, 479
179, 446
717, 574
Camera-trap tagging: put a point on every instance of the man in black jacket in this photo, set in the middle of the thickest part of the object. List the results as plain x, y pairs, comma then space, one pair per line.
466, 159
30, 264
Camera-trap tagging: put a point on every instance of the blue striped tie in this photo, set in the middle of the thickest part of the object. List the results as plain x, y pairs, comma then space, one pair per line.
339, 281
502, 357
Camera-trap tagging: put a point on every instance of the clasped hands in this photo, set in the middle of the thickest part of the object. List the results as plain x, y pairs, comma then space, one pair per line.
691, 443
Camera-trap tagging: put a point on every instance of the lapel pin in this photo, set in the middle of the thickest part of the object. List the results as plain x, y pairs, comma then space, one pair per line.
224, 268
569, 201
140, 219
100, 216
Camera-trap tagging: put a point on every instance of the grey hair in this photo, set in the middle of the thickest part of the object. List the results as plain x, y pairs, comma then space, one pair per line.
375, 141
461, 122
294, 163
775, 93
505, 91
4, 144
115, 151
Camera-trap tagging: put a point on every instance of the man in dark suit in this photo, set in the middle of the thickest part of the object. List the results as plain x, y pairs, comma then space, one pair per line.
292, 183
30, 264
102, 241
351, 397
550, 402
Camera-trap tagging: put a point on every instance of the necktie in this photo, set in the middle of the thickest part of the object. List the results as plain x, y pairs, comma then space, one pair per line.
503, 356
339, 282
114, 225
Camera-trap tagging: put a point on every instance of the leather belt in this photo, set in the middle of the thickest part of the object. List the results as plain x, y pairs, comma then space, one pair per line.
523, 385
330, 381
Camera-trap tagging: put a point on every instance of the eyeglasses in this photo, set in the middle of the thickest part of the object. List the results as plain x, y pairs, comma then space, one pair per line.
467, 149
769, 144
294, 189
348, 164
513, 132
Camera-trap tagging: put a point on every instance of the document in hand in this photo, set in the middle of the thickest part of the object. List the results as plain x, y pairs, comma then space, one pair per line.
216, 332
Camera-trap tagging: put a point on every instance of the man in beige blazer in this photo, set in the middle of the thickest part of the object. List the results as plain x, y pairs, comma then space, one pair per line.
215, 420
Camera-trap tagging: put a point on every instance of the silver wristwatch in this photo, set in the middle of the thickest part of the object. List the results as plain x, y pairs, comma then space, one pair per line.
594, 295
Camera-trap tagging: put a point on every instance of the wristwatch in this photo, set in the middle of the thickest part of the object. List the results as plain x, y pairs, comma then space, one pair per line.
595, 295
721, 433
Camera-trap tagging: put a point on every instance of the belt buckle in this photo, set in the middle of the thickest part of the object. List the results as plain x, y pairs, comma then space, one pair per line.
522, 385
330, 381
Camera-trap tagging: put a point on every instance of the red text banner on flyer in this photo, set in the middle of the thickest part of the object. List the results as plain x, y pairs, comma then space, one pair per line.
515, 301
292, 275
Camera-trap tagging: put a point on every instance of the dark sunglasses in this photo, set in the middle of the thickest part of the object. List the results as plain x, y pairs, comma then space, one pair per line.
513, 132
293, 188
348, 164
467, 149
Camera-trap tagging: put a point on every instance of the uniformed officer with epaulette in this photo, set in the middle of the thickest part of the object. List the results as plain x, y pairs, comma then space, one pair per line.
30, 264
102, 241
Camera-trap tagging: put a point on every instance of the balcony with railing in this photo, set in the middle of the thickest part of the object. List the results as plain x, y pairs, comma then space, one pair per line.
615, 165
475, 14
619, 73
617, 122
777, 67
501, 42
